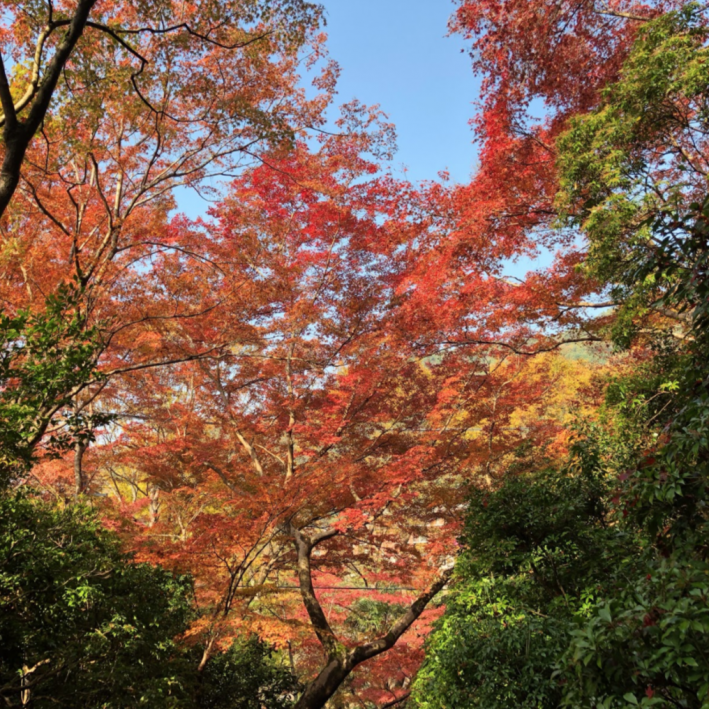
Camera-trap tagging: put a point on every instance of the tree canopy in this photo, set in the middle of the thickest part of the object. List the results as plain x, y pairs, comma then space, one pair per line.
317, 447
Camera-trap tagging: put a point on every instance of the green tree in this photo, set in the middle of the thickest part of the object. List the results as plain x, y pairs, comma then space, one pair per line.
634, 172
247, 676
80, 623
537, 551
45, 360
648, 642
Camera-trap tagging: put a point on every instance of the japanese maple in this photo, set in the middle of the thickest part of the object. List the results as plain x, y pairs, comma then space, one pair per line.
542, 63
324, 451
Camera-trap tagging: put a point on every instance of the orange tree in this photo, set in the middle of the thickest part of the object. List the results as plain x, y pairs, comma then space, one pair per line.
110, 107
133, 72
324, 451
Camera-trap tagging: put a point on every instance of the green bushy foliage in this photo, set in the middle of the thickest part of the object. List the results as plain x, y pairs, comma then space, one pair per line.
80, 623
247, 676
537, 551
45, 359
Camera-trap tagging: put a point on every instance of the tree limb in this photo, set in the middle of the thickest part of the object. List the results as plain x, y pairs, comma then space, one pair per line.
396, 701
386, 642
622, 15
340, 660
17, 136
518, 350
8, 105
304, 547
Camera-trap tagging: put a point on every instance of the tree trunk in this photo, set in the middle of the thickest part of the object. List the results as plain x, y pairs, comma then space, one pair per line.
323, 686
342, 661
79, 450
15, 148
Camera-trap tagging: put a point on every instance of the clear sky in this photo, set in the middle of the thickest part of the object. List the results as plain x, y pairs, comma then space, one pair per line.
396, 53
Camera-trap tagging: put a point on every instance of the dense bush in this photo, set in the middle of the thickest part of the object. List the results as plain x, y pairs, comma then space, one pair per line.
80, 623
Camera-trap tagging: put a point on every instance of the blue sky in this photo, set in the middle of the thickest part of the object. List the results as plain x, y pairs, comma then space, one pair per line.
396, 53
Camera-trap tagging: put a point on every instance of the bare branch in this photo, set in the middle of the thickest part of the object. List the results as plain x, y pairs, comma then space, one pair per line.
380, 645
8, 107
36, 65
622, 15
304, 547
396, 701
518, 350
204, 37
212, 352
340, 661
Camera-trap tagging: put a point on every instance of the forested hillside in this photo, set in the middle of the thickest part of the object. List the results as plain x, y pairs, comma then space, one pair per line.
318, 448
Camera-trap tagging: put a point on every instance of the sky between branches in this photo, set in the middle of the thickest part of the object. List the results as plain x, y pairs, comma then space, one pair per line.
396, 53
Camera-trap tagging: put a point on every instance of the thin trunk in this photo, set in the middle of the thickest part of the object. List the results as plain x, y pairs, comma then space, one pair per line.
290, 454
25, 693
206, 653
154, 507
340, 660
79, 484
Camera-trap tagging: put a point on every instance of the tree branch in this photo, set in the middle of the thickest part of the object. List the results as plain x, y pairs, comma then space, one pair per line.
18, 139
340, 661
36, 65
517, 350
380, 645
622, 15
396, 701
304, 547
205, 38
212, 352
8, 105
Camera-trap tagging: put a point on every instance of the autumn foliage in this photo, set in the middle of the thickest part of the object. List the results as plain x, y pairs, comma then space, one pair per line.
291, 398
